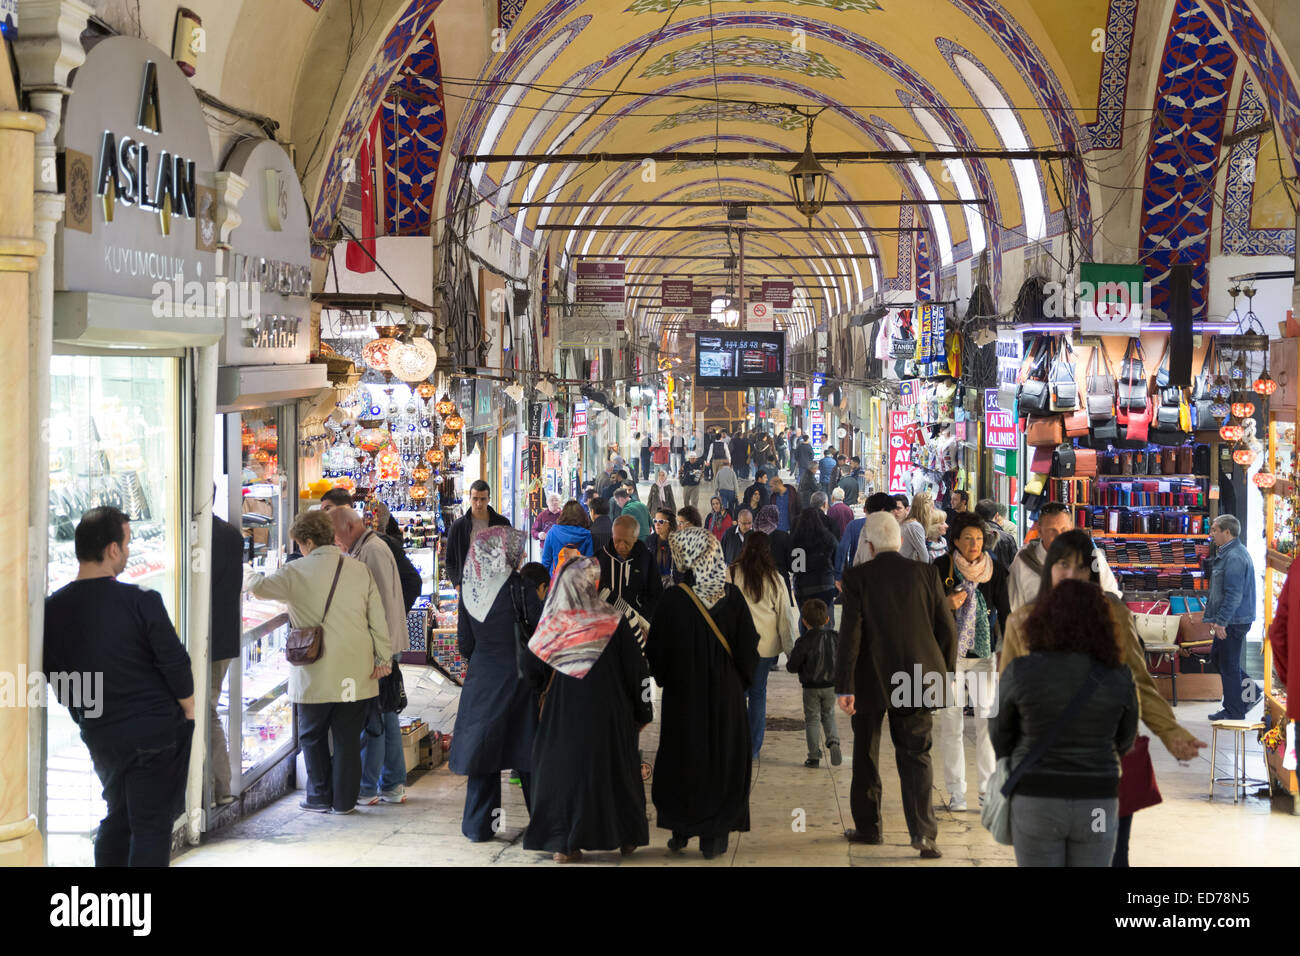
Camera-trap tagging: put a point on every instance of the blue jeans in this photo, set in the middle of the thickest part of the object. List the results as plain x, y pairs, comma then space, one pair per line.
383, 763
1225, 654
757, 698
1064, 831
728, 499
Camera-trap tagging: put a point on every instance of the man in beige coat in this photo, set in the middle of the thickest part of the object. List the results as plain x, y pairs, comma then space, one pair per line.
383, 762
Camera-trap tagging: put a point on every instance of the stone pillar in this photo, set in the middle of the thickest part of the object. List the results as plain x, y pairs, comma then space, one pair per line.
47, 50
20, 253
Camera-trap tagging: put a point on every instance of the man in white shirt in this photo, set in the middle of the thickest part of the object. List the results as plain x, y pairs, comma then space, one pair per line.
1027, 568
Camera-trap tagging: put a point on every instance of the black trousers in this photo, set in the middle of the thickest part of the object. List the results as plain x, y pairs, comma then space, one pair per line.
1121, 843
910, 733
144, 787
332, 781
481, 820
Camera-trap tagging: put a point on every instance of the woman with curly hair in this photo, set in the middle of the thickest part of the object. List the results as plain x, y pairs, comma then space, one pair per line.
1074, 696
1071, 558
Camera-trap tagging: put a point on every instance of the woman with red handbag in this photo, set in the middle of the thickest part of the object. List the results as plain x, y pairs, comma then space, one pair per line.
1071, 558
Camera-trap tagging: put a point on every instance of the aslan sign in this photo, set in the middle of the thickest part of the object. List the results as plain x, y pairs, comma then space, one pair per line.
125, 174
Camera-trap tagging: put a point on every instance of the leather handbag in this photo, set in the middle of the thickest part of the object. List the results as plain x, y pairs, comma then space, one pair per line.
392, 692
306, 645
1157, 628
1104, 429
1033, 396
1041, 461
1101, 385
1137, 779
996, 815
1063, 461
1135, 423
1155, 463
1065, 391
1085, 463
1169, 461
1201, 460
1049, 430
1133, 379
1077, 424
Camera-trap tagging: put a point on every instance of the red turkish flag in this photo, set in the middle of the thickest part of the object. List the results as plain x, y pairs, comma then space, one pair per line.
357, 260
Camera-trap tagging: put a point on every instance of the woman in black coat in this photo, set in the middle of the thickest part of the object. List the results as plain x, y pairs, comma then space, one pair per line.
702, 772
497, 717
587, 792
812, 561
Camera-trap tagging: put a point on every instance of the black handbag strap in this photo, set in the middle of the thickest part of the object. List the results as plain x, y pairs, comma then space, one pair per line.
1062, 363
330, 600
1081, 697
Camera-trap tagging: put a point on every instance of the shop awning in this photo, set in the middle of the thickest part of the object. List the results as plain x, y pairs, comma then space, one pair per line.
258, 386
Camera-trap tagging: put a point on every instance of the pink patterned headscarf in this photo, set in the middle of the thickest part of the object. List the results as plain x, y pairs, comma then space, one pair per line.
576, 624
494, 554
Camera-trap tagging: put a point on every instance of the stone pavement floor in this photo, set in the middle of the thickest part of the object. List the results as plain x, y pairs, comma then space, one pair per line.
1186, 829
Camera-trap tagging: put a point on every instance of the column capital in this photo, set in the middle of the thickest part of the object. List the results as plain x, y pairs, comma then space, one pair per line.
230, 190
48, 47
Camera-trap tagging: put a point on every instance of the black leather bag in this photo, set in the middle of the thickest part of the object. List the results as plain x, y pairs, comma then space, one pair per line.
1034, 396
1065, 391
1133, 378
1063, 461
1201, 400
392, 692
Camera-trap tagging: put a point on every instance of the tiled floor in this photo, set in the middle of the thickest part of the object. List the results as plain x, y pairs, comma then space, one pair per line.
1185, 830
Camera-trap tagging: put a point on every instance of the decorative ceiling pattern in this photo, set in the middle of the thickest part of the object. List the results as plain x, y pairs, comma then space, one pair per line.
1238, 238
1196, 71
412, 127
732, 112
742, 51
1108, 130
663, 6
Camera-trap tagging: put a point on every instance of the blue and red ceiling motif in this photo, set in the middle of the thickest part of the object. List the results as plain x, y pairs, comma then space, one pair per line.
1187, 128
508, 11
314, 4
412, 130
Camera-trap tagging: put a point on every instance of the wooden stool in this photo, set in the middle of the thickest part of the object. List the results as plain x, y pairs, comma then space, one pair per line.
1238, 729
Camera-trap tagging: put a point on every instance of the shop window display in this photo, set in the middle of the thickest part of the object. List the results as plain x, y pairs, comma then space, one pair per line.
114, 432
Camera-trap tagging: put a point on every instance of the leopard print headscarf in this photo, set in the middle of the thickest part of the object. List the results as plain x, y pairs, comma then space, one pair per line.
698, 551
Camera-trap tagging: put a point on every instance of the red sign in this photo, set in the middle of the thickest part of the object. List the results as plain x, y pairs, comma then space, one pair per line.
900, 450
599, 282
579, 419
999, 426
676, 294
780, 292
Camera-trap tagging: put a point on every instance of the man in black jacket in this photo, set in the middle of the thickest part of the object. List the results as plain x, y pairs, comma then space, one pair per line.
602, 526
407, 573
114, 660
628, 573
803, 455
898, 644
479, 518
740, 455
734, 540
227, 630
759, 485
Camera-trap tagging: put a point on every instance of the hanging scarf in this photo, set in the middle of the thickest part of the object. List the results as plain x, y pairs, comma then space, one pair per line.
494, 554
697, 551
576, 625
974, 638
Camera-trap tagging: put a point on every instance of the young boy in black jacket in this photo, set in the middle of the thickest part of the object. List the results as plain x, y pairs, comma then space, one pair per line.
813, 659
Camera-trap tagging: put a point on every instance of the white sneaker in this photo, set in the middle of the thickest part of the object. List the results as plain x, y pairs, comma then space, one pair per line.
957, 803
364, 801
396, 795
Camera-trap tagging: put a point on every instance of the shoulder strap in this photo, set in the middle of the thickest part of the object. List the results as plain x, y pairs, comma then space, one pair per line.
1081, 697
330, 600
708, 617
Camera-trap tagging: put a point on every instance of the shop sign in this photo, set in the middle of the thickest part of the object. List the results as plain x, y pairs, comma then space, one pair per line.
676, 294
1004, 462
1010, 350
536, 414
999, 425
579, 419
701, 301
931, 354
138, 175
661, 400
900, 451
902, 339
779, 292
599, 283
271, 253
1110, 298
758, 317
798, 395
483, 413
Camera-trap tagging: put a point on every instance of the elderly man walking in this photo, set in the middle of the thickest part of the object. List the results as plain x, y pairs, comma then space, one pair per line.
1230, 612
898, 643
383, 762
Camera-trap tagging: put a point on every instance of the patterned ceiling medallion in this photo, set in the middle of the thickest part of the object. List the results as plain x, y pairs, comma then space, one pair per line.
743, 51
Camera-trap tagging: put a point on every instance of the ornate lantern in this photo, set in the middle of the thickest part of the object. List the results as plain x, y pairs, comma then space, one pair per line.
450, 439
377, 354
414, 361
454, 423
1231, 432
445, 406
388, 465
1243, 455
1243, 409
371, 440
420, 473
433, 456
425, 390
1265, 385
1264, 480
808, 179
418, 492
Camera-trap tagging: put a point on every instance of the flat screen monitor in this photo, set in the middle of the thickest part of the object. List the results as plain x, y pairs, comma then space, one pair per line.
738, 360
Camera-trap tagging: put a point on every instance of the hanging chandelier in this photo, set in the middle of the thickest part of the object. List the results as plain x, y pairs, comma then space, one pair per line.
808, 179
1264, 480
413, 361
1243, 455
445, 406
1243, 409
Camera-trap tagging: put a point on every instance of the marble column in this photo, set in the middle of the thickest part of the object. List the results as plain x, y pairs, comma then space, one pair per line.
20, 253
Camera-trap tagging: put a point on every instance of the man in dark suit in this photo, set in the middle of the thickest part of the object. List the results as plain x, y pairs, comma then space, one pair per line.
898, 644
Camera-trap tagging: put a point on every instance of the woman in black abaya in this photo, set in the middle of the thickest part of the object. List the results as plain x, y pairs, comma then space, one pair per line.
587, 792
701, 781
498, 712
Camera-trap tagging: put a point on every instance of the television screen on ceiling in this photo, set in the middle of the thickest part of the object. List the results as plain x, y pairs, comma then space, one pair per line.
739, 359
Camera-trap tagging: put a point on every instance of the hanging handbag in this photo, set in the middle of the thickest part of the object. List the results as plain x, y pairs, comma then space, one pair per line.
996, 815
1033, 397
1065, 391
1041, 461
1104, 430
1132, 390
1045, 431
1135, 424
1063, 461
1077, 424
392, 692
1137, 779
305, 645
1201, 460
1101, 385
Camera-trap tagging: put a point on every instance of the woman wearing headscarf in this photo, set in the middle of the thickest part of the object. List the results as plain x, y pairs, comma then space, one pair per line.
702, 650
1070, 558
757, 577
497, 717
977, 593
661, 494
587, 792
718, 520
